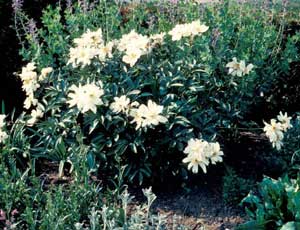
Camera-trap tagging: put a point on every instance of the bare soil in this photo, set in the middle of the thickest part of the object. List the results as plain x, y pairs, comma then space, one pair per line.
200, 209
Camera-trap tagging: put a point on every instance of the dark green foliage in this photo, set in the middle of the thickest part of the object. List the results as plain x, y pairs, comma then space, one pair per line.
235, 188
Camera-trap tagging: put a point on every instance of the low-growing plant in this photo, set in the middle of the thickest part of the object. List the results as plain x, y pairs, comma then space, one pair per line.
31, 202
235, 188
276, 206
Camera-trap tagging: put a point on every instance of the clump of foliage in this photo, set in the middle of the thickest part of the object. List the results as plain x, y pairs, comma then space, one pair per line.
28, 202
276, 206
235, 187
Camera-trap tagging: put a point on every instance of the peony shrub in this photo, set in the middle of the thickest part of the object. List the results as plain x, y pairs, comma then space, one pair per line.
159, 101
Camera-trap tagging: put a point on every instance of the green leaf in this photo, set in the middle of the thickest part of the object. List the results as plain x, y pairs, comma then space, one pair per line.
291, 226
253, 224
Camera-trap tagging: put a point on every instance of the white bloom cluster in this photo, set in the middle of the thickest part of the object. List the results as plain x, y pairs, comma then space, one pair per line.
3, 134
134, 45
120, 104
30, 80
239, 68
89, 46
45, 72
86, 97
147, 116
36, 113
143, 116
275, 130
30, 84
188, 29
201, 153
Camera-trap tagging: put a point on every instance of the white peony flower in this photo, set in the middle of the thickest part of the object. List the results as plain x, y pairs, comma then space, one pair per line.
3, 136
199, 152
196, 160
132, 56
30, 101
45, 72
196, 146
120, 104
215, 153
148, 115
188, 29
35, 115
2, 120
86, 97
274, 132
90, 39
285, 121
238, 68
105, 51
157, 38
177, 32
153, 114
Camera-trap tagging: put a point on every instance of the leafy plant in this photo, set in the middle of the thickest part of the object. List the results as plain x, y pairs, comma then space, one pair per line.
235, 188
276, 206
185, 78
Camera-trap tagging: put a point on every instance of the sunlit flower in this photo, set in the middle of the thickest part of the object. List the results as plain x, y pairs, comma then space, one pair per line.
2, 120
196, 160
196, 28
215, 153
177, 32
238, 68
285, 121
90, 39
148, 115
153, 114
133, 40
3, 136
196, 146
30, 101
132, 56
248, 69
234, 68
106, 51
188, 29
200, 152
88, 46
86, 97
82, 56
29, 67
120, 104
35, 115
274, 132
157, 38
45, 72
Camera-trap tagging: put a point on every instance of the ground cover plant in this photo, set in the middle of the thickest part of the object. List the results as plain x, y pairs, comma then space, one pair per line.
141, 94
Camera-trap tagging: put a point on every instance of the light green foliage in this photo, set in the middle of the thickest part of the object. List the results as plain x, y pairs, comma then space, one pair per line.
30, 203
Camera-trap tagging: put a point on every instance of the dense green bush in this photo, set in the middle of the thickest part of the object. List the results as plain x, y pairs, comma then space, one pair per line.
141, 93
